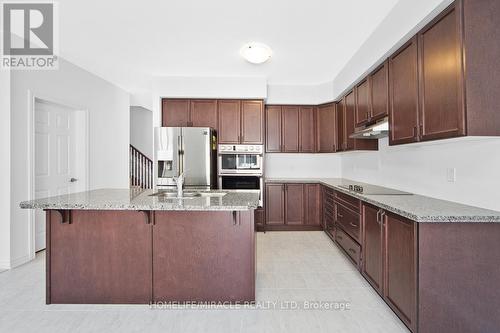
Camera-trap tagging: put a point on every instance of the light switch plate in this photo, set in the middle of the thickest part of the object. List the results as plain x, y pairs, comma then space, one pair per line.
451, 175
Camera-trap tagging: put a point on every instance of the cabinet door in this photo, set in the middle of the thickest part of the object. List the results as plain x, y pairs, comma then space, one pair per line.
204, 113
362, 103
313, 204
326, 126
273, 129
259, 218
400, 267
294, 204
91, 258
290, 130
403, 95
341, 143
229, 121
252, 120
379, 92
350, 109
372, 244
175, 112
306, 129
195, 255
442, 112
275, 204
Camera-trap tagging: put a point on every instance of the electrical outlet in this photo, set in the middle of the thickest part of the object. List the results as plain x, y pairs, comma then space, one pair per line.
451, 175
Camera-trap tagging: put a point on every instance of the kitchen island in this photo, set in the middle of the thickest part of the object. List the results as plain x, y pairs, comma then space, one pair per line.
134, 246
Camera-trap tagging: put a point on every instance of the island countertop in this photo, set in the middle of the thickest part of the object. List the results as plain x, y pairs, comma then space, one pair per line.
418, 208
139, 199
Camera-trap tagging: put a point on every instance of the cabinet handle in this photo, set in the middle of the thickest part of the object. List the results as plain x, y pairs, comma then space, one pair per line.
352, 251
415, 132
339, 237
65, 216
353, 225
234, 217
339, 215
378, 215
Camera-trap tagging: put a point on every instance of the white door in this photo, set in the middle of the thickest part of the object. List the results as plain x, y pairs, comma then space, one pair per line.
56, 150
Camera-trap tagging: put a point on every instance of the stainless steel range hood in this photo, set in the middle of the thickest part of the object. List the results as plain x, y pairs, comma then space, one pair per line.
377, 130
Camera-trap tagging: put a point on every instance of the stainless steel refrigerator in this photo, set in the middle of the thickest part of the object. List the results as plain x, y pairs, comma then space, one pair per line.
188, 150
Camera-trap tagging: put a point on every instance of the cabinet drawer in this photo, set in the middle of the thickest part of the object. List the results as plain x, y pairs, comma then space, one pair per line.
352, 248
349, 221
349, 201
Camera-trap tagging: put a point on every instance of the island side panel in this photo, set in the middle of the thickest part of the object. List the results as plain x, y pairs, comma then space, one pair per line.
100, 257
459, 272
47, 256
203, 256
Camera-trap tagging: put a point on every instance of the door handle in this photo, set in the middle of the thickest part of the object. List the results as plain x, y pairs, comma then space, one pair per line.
72, 180
146, 214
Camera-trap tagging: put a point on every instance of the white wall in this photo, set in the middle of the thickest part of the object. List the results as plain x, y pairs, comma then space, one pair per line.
422, 169
141, 130
108, 108
302, 165
300, 94
5, 169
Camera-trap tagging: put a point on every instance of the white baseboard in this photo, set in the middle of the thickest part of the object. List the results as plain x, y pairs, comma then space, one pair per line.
21, 260
4, 265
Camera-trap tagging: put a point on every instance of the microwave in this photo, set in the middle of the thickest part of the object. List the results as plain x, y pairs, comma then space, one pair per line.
240, 159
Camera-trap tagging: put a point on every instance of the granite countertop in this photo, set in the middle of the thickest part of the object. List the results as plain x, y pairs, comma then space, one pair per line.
138, 199
415, 207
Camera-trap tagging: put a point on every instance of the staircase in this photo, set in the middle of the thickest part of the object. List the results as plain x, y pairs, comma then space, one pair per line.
141, 169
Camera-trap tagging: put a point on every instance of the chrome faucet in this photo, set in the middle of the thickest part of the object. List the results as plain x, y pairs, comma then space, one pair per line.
179, 181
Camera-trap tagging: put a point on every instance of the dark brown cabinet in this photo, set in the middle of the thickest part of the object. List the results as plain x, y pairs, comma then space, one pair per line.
259, 219
312, 207
403, 94
400, 267
363, 103
340, 115
328, 208
275, 204
240, 121
252, 122
294, 204
307, 132
90, 258
229, 121
379, 92
373, 244
203, 113
175, 112
273, 129
290, 129
326, 128
349, 120
442, 111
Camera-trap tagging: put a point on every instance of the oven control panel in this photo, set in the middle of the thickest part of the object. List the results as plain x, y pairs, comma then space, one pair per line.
228, 149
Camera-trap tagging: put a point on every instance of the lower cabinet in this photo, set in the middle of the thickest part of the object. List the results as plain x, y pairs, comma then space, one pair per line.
259, 219
292, 206
390, 260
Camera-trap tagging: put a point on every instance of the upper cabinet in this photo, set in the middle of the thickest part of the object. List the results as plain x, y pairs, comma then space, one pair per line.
290, 129
442, 113
252, 122
403, 92
379, 92
236, 121
175, 112
273, 128
229, 121
363, 104
326, 128
203, 113
340, 118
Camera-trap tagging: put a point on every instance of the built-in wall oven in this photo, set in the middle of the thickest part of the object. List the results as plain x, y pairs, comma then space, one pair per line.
241, 168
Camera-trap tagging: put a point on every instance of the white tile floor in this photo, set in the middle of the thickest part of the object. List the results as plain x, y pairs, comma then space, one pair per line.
292, 267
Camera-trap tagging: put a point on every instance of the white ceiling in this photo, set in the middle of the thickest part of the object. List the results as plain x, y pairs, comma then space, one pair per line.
128, 42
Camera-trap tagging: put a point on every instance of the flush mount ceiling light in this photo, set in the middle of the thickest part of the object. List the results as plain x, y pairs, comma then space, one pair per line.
256, 53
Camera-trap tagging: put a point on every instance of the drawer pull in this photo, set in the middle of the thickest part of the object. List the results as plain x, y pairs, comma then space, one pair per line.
352, 251
339, 237
340, 215
353, 225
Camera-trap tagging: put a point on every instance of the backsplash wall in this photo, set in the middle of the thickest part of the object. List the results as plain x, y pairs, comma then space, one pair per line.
286, 165
422, 169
